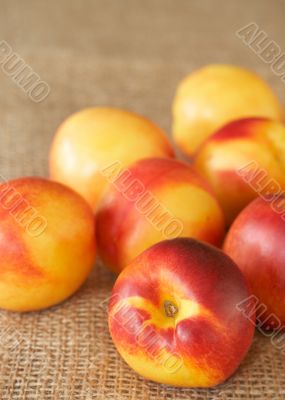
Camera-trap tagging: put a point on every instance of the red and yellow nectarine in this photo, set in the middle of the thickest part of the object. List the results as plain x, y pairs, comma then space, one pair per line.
155, 199
47, 243
248, 148
173, 315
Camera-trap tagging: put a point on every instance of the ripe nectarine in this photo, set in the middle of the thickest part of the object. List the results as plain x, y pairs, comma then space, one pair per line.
91, 138
173, 315
153, 200
47, 243
255, 242
243, 159
214, 95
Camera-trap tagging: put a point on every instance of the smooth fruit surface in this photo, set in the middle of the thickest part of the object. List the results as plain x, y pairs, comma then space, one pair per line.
91, 139
214, 95
47, 243
173, 315
242, 160
153, 200
256, 243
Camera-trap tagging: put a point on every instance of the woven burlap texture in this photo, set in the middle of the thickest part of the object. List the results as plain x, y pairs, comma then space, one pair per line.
129, 54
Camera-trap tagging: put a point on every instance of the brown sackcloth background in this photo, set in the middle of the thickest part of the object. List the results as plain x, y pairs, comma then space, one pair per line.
129, 54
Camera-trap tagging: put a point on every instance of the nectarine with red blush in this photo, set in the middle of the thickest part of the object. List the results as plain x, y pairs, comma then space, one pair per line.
243, 159
173, 315
154, 199
47, 243
255, 242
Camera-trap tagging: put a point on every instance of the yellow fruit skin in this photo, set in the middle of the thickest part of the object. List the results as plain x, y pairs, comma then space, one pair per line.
43, 264
91, 139
214, 95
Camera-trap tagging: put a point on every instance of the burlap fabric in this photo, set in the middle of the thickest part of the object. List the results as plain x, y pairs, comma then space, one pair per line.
129, 54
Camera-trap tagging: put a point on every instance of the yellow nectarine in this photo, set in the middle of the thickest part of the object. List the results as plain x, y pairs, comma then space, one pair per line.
215, 95
47, 243
89, 139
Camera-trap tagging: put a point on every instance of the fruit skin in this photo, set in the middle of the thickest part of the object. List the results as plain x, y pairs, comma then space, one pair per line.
214, 95
255, 242
127, 223
258, 143
203, 343
40, 268
91, 139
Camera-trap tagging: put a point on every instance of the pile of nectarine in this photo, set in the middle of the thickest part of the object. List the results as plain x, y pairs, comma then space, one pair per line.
182, 311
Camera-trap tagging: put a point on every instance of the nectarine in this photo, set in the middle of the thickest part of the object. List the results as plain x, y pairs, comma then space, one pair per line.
243, 159
255, 242
47, 243
91, 138
153, 200
173, 315
214, 95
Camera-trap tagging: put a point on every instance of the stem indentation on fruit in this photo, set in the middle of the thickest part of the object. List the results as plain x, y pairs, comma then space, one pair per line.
170, 308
